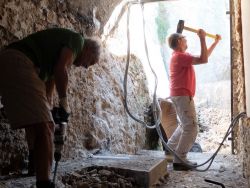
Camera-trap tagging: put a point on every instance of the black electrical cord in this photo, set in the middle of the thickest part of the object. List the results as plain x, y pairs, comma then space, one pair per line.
125, 80
215, 182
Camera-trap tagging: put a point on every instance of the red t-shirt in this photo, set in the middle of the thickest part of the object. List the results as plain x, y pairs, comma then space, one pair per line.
182, 75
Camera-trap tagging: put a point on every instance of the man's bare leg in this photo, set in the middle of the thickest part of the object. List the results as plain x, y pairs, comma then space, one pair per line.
43, 151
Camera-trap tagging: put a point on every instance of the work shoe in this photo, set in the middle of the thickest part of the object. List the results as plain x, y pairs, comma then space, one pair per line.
191, 162
183, 167
45, 184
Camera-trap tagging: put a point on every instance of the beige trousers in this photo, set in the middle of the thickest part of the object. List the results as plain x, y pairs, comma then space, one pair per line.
184, 136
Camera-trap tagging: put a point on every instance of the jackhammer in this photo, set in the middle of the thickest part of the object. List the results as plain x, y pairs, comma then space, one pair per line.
60, 117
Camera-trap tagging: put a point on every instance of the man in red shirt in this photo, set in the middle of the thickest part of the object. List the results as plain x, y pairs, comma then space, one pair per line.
182, 91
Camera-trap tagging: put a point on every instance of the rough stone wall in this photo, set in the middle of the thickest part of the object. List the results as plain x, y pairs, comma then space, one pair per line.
89, 7
98, 120
27, 16
242, 133
237, 66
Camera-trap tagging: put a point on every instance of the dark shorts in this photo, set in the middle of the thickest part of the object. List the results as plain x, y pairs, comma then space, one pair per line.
23, 92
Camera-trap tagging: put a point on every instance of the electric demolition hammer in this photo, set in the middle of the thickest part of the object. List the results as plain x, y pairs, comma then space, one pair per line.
60, 117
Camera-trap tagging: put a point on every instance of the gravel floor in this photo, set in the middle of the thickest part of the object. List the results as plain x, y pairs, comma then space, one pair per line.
226, 168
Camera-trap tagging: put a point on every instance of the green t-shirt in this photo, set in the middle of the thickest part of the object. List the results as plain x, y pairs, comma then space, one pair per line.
44, 47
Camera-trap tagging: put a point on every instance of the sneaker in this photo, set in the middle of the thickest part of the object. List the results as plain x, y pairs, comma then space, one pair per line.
184, 167
181, 167
191, 163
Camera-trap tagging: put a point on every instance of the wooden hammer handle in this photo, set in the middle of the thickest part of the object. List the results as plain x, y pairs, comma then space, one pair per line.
196, 31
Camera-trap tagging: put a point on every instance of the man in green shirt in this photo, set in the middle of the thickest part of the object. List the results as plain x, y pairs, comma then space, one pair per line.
29, 71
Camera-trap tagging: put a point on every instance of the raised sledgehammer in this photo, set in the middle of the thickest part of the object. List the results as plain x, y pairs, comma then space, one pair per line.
181, 26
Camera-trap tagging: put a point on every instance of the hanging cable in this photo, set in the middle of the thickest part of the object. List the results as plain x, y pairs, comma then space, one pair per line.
156, 108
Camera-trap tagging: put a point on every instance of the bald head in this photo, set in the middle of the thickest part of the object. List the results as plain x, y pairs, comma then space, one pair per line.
90, 53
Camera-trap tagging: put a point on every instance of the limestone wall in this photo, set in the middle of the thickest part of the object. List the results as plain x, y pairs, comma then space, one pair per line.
242, 133
98, 120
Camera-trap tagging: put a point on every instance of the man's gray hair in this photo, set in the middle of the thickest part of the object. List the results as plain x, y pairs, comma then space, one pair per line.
94, 45
173, 40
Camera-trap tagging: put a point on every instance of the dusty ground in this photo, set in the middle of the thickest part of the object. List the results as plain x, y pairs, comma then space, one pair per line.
225, 169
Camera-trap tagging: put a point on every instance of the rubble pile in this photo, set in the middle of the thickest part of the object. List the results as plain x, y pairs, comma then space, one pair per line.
213, 123
99, 177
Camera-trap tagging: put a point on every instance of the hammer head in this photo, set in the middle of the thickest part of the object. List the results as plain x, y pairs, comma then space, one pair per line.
180, 26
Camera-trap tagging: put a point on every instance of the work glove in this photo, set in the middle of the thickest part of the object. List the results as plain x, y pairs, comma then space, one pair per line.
55, 115
64, 110
59, 115
63, 115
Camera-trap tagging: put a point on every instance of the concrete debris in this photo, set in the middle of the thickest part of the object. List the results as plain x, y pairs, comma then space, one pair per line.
96, 177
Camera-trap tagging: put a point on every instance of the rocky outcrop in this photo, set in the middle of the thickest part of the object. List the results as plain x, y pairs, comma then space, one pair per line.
24, 17
99, 119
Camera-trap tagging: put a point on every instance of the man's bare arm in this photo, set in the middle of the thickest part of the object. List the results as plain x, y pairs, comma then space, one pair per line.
203, 58
211, 48
50, 85
61, 71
